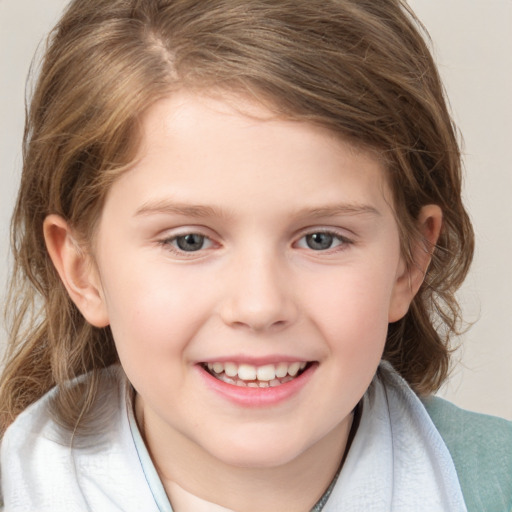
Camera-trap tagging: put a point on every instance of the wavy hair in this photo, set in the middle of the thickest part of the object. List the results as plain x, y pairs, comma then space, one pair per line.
361, 68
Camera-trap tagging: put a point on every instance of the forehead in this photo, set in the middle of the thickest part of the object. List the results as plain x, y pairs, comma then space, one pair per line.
206, 149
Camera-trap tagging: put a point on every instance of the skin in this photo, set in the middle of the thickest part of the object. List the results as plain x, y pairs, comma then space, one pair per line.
254, 186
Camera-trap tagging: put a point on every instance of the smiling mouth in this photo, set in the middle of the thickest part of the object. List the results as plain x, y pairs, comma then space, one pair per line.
247, 375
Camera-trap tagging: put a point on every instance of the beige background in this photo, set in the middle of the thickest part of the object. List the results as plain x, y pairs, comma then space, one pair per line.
472, 42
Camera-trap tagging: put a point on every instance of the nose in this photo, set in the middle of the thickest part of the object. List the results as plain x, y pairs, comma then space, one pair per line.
258, 294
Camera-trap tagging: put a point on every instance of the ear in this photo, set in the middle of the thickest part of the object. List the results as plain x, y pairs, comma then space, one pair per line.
76, 270
411, 277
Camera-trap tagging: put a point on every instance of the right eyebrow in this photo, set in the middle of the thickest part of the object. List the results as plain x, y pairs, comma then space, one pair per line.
187, 210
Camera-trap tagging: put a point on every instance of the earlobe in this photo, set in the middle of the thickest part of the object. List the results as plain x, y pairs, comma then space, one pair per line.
76, 270
411, 277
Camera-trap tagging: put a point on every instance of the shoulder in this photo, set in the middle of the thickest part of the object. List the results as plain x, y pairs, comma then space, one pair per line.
47, 467
33, 456
37, 423
481, 448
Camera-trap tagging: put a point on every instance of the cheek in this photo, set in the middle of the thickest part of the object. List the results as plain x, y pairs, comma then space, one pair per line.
352, 316
150, 309
351, 309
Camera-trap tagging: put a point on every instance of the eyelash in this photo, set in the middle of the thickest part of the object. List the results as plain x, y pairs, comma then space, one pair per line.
342, 245
172, 243
169, 243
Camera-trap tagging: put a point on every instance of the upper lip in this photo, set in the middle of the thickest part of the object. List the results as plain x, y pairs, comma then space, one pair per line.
255, 361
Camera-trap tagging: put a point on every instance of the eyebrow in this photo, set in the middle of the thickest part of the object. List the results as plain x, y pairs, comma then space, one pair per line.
203, 211
187, 210
339, 209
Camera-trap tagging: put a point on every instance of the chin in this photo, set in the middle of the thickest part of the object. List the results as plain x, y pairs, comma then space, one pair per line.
265, 453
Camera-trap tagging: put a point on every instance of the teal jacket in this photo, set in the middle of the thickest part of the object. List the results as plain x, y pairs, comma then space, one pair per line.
481, 448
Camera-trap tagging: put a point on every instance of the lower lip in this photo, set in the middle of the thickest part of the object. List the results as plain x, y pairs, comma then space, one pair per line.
257, 397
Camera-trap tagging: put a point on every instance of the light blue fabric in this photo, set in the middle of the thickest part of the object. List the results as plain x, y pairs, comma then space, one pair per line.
152, 478
47, 468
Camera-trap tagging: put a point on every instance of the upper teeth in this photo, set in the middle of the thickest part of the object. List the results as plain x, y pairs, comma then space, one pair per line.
266, 372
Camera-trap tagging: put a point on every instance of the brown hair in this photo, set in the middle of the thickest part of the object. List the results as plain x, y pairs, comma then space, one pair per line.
359, 67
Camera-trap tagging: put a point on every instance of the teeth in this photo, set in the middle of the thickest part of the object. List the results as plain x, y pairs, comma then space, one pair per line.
268, 375
247, 372
218, 367
292, 370
231, 369
281, 370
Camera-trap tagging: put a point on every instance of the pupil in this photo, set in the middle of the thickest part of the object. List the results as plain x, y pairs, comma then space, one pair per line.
190, 242
319, 241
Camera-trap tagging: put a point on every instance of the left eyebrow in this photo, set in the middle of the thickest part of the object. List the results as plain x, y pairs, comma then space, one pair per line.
338, 210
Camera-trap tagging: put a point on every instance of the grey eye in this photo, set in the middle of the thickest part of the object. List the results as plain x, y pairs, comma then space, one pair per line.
191, 242
319, 241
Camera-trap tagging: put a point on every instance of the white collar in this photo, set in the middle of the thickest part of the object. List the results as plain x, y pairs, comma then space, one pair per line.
398, 461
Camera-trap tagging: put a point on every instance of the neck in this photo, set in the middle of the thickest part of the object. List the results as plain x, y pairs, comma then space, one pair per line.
195, 480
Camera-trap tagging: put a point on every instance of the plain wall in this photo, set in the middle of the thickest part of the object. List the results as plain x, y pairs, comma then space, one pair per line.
471, 42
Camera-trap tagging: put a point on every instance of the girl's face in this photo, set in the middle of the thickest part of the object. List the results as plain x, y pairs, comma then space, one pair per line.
248, 267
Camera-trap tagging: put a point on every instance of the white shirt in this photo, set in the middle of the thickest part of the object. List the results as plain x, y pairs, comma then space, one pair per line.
397, 460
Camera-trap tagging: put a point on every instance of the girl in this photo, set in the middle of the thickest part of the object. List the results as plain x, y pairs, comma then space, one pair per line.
237, 240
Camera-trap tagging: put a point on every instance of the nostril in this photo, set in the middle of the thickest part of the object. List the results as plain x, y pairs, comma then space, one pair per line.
260, 326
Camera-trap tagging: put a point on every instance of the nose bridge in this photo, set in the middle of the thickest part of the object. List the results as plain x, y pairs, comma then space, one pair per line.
258, 290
